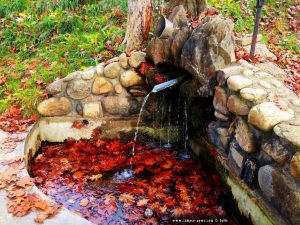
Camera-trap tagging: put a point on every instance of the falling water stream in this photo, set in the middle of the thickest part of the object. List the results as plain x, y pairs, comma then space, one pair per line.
128, 173
168, 145
186, 154
138, 122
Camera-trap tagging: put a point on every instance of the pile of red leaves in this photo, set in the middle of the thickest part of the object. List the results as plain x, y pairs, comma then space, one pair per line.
12, 120
86, 177
241, 53
21, 201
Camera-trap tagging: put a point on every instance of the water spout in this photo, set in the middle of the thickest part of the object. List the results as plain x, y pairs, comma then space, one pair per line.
166, 85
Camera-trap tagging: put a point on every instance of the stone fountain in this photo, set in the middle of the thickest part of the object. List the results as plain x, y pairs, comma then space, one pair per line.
243, 121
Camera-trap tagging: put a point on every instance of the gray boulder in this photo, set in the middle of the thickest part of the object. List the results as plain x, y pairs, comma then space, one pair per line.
209, 49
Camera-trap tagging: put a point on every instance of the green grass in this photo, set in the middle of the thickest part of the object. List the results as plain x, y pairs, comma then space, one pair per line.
42, 40
275, 23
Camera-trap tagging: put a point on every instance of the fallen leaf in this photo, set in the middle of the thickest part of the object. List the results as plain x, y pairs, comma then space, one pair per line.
127, 199
142, 202
84, 202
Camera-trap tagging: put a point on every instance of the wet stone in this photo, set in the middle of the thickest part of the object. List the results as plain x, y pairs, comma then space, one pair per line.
219, 136
221, 116
220, 100
236, 83
250, 171
295, 166
264, 159
138, 92
202, 57
276, 149
281, 191
236, 159
243, 136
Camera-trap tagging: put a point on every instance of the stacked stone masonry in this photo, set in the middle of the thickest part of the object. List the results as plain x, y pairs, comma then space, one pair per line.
258, 129
111, 88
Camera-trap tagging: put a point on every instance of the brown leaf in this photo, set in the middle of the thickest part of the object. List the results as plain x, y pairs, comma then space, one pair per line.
25, 182
127, 199
95, 177
142, 202
84, 202
19, 206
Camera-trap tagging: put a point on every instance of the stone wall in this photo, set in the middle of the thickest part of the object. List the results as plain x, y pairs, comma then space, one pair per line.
200, 45
258, 132
114, 87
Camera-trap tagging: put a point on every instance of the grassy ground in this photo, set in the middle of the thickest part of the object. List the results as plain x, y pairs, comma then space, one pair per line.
275, 23
45, 39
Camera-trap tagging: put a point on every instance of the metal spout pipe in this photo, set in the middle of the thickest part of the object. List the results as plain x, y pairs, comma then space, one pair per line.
164, 28
166, 85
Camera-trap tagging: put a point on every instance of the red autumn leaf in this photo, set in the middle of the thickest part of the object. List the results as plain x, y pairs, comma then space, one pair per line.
214, 153
211, 12
3, 80
96, 132
12, 121
146, 66
66, 173
78, 124
159, 78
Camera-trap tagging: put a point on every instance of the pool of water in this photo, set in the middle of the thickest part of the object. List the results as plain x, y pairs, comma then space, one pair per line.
102, 181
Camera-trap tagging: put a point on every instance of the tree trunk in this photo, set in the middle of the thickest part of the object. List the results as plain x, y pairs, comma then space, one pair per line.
138, 23
193, 7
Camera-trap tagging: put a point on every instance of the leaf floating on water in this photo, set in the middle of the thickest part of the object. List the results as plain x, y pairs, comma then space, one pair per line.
142, 202
84, 176
127, 199
84, 202
95, 177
